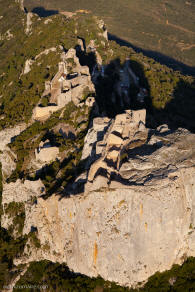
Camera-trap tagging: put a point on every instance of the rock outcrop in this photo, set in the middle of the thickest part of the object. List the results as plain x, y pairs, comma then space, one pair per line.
136, 215
43, 113
7, 157
29, 17
46, 155
22, 193
30, 62
29, 189
125, 132
124, 235
69, 84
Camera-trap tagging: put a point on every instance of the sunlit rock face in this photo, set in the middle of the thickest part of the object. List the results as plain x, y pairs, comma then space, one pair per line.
136, 215
124, 235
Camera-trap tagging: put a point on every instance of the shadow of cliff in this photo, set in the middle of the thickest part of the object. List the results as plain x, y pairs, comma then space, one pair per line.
181, 109
109, 105
86, 58
42, 12
179, 112
157, 56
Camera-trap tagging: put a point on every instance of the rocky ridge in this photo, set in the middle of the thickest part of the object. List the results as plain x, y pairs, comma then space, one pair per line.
137, 210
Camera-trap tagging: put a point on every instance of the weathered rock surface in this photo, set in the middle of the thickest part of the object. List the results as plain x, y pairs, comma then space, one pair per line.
47, 154
8, 161
7, 157
21, 191
125, 132
137, 213
27, 66
43, 113
94, 135
8, 134
124, 235
29, 17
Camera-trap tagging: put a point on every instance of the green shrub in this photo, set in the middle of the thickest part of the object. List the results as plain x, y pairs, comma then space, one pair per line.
59, 278
34, 240
10, 248
16, 211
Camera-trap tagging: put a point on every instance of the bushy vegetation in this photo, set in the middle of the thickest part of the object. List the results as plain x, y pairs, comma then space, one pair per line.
161, 28
56, 277
10, 248
178, 279
64, 170
34, 240
60, 173
171, 95
16, 212
26, 143
21, 92
12, 20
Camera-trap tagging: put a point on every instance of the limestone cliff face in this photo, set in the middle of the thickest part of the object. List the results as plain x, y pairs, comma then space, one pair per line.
137, 213
124, 235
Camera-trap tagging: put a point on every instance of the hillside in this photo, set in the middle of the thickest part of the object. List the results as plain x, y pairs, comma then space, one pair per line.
169, 91
162, 29
96, 160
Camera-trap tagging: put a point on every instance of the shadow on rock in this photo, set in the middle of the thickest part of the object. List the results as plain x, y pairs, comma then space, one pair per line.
157, 56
